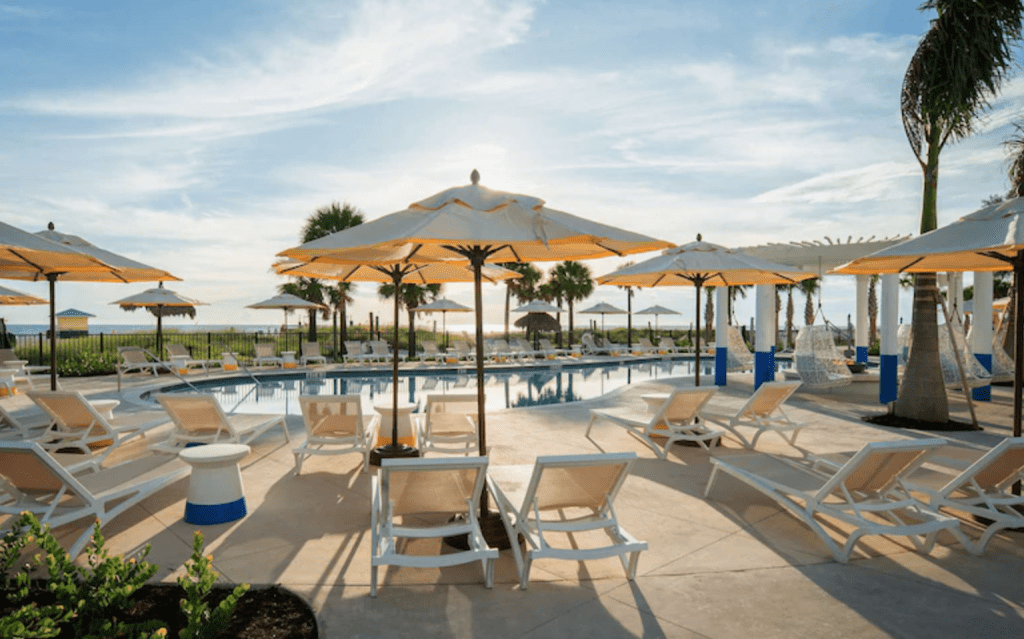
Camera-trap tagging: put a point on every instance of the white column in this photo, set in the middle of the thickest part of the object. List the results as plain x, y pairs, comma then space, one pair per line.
981, 332
889, 312
861, 337
721, 334
764, 360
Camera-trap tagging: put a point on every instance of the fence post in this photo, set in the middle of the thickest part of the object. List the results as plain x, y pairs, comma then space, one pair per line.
101, 342
41, 348
209, 345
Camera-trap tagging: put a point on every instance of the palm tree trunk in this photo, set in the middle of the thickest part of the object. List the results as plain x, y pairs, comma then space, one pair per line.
312, 324
922, 394
789, 318
344, 321
508, 301
570, 322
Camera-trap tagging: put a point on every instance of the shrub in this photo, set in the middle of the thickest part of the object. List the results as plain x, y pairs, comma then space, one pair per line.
87, 362
204, 622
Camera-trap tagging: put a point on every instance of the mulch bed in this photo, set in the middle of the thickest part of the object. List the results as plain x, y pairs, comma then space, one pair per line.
266, 613
902, 422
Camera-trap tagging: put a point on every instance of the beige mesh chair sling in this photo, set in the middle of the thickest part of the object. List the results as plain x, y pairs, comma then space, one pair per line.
549, 349
265, 355
335, 425
134, 358
78, 424
431, 351
983, 489
522, 349
414, 488
448, 424
867, 492
354, 352
179, 350
23, 426
31, 480
675, 421
199, 419
590, 347
644, 346
461, 349
310, 352
564, 494
763, 412
667, 345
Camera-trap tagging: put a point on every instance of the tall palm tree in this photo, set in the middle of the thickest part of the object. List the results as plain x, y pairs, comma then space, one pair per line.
709, 316
873, 310
410, 297
323, 222
960, 63
809, 287
523, 288
574, 282
790, 312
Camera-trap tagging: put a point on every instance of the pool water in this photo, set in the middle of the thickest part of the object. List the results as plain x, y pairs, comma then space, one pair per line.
520, 387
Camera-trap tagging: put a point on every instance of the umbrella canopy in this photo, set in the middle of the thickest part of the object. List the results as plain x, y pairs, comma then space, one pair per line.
538, 307
26, 256
286, 302
699, 263
990, 239
444, 306
17, 298
89, 264
476, 224
433, 272
161, 302
537, 322
657, 312
604, 308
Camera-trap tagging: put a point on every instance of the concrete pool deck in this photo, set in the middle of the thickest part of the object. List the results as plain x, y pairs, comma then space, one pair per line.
735, 565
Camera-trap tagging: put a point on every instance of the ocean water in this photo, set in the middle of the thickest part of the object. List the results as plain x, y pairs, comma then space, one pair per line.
95, 329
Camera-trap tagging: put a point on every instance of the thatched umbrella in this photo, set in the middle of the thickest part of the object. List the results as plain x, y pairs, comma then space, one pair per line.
161, 302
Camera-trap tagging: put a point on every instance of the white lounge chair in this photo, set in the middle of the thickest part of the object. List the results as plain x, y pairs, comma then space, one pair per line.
33, 481
380, 351
135, 358
311, 353
448, 424
675, 421
461, 350
983, 489
522, 349
179, 350
335, 425
644, 346
549, 349
199, 419
867, 492
15, 427
762, 412
354, 352
499, 350
667, 346
416, 487
582, 490
78, 424
264, 354
431, 351
590, 347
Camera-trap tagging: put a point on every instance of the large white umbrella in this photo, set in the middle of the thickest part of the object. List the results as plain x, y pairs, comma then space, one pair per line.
286, 302
475, 224
657, 311
435, 272
990, 239
699, 263
161, 302
444, 306
604, 308
92, 264
537, 307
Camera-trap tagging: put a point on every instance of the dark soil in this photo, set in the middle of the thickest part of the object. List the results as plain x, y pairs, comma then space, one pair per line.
265, 613
902, 422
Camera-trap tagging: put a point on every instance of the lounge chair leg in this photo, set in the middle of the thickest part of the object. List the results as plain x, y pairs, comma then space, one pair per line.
634, 560
298, 463
590, 425
524, 574
711, 481
373, 581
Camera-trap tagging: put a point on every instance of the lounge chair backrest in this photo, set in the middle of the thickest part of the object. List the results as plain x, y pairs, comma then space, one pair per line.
177, 350
683, 404
429, 347
70, 409
25, 465
310, 349
195, 413
354, 348
996, 468
432, 485
461, 347
666, 342
769, 397
446, 413
264, 349
7, 355
646, 343
379, 347
546, 344
332, 415
576, 481
876, 467
133, 355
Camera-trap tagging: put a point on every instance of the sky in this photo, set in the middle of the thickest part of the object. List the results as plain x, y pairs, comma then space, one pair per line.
197, 137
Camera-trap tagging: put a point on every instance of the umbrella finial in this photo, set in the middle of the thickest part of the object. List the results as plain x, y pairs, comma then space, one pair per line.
699, 238
474, 177
50, 226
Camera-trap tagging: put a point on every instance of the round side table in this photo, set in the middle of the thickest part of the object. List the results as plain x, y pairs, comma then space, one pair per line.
215, 493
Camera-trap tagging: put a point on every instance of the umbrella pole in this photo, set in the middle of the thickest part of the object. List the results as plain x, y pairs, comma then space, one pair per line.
1018, 347
52, 278
697, 341
159, 331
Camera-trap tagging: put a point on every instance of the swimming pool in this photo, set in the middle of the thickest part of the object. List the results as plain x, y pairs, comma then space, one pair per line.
505, 388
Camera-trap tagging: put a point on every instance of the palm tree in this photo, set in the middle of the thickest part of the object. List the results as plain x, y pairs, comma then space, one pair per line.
809, 288
872, 309
324, 221
789, 315
960, 63
709, 316
574, 282
410, 297
523, 288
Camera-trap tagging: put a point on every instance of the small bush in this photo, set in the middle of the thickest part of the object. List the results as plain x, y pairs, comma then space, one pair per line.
87, 362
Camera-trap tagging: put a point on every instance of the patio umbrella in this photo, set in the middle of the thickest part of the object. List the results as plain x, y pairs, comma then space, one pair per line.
435, 272
990, 239
161, 302
475, 224
698, 263
656, 311
286, 302
603, 308
444, 306
11, 297
89, 264
538, 307
537, 322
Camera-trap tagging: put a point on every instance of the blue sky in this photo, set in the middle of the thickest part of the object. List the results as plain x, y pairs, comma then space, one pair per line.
198, 136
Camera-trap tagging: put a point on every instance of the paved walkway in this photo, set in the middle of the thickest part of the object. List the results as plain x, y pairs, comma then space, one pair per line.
732, 566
